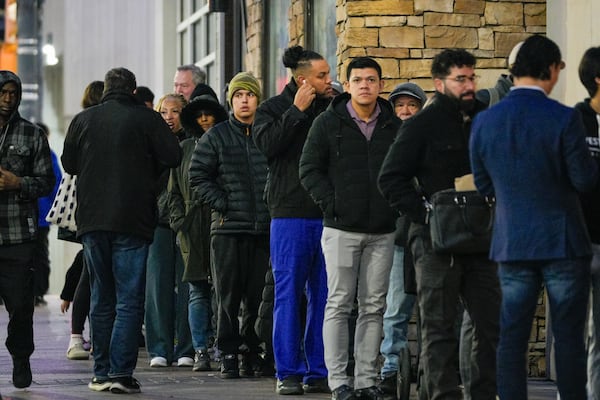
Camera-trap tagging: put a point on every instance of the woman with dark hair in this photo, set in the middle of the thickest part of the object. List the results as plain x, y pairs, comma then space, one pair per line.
190, 219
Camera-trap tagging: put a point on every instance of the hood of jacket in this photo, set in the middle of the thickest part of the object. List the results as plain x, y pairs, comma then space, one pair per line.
202, 102
8, 76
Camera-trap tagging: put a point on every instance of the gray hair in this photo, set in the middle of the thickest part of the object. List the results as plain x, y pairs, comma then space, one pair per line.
198, 74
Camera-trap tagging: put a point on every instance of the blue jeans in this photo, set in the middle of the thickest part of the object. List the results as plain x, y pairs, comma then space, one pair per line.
167, 298
117, 266
199, 313
567, 282
298, 271
399, 309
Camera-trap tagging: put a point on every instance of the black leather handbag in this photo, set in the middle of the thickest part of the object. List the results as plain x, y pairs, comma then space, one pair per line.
461, 222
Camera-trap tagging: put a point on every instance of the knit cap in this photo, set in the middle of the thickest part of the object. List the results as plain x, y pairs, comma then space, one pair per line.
244, 81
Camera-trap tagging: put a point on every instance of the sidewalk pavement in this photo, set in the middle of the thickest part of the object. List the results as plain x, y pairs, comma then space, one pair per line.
55, 377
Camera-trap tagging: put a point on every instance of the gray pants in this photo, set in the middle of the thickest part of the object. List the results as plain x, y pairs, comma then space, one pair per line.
441, 281
357, 264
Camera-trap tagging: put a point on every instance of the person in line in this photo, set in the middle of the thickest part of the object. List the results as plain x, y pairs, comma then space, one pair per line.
41, 263
280, 129
190, 219
76, 289
339, 164
589, 75
26, 174
229, 173
168, 336
145, 96
432, 148
187, 77
118, 150
526, 145
407, 99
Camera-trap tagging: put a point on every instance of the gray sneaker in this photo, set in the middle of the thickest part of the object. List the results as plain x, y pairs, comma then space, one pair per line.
201, 361
125, 385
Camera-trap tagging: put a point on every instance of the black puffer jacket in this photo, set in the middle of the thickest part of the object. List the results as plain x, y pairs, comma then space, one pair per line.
229, 173
339, 168
280, 130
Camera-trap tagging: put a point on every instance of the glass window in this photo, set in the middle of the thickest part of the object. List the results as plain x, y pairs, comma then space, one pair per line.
277, 39
199, 28
322, 37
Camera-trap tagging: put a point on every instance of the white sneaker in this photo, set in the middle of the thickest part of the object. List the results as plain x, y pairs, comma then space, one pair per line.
185, 362
158, 362
77, 352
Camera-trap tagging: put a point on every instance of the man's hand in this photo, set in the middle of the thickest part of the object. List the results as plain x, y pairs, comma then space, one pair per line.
304, 96
8, 180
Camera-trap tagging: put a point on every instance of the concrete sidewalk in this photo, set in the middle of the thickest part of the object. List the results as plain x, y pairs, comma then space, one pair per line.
55, 377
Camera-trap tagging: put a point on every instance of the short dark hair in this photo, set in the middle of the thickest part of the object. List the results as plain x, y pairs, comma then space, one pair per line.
589, 70
442, 62
362, 63
144, 94
119, 79
535, 57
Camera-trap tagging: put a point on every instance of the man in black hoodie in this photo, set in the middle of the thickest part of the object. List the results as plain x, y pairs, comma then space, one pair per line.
25, 174
118, 150
280, 129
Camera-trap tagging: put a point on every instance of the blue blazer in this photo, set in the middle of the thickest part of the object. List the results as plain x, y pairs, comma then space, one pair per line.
530, 152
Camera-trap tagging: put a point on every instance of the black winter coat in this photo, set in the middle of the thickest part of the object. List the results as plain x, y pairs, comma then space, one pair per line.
279, 131
118, 149
229, 173
432, 146
339, 168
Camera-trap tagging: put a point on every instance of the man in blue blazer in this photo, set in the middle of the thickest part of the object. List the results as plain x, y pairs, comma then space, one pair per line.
530, 152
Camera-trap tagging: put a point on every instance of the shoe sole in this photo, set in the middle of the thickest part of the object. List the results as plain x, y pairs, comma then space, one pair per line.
120, 389
78, 356
286, 392
99, 387
229, 375
201, 369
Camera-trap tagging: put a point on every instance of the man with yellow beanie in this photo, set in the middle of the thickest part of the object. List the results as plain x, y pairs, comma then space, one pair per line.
229, 173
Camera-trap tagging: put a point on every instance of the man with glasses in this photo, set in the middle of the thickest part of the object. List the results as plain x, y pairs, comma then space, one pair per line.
432, 149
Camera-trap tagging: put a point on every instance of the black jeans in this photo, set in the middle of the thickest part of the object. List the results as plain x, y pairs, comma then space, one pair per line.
441, 281
41, 263
16, 289
239, 265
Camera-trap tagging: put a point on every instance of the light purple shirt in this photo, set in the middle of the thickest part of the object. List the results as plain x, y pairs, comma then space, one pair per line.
366, 128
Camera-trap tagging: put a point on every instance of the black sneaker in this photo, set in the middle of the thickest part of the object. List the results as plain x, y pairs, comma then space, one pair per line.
316, 386
21, 372
229, 366
370, 393
248, 365
125, 385
99, 384
290, 385
388, 383
343, 392
201, 361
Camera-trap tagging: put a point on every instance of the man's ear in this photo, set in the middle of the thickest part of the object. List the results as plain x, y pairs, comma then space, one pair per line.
438, 84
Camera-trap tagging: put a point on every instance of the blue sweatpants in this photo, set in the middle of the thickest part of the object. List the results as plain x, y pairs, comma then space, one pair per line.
298, 270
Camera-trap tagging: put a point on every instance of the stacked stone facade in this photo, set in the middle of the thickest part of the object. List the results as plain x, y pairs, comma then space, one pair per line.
404, 36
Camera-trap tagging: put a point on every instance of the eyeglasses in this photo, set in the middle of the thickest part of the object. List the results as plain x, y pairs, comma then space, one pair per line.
462, 79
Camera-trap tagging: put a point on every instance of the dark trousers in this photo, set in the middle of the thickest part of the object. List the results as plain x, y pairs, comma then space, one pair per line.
81, 301
41, 263
239, 265
441, 281
16, 289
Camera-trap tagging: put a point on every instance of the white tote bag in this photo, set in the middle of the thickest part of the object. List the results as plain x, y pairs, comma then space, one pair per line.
63, 208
